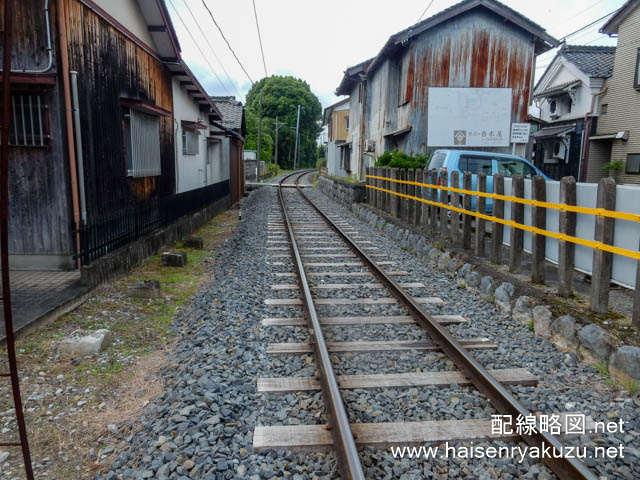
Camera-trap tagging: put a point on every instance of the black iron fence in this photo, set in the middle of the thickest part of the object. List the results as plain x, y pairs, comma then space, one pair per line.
109, 232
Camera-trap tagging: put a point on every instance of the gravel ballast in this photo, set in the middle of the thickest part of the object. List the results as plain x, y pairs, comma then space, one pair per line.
202, 426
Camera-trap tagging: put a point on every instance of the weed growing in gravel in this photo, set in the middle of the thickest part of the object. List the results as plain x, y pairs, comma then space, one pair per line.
491, 299
632, 386
530, 325
438, 245
602, 368
461, 284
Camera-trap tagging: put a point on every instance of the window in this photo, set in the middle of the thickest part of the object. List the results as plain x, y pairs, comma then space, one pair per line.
190, 144
476, 164
633, 163
437, 161
569, 103
346, 123
509, 167
636, 80
552, 106
603, 108
29, 126
142, 144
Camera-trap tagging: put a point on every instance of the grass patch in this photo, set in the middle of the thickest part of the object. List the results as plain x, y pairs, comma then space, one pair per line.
69, 401
632, 386
602, 368
350, 179
530, 325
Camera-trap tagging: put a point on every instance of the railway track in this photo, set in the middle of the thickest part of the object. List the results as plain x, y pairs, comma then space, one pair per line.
328, 256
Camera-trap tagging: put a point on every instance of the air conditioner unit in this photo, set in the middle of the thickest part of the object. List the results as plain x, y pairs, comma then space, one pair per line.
559, 150
370, 146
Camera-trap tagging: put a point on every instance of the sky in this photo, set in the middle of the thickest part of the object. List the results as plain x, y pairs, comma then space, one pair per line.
317, 41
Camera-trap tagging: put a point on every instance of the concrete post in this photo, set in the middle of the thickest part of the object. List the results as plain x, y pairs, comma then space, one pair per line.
417, 211
635, 318
426, 194
539, 220
403, 189
603, 261
393, 199
516, 234
433, 196
567, 225
411, 190
497, 229
455, 202
389, 185
378, 183
444, 224
481, 206
466, 220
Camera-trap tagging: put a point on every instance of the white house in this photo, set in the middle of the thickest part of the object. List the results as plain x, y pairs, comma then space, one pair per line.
567, 95
336, 118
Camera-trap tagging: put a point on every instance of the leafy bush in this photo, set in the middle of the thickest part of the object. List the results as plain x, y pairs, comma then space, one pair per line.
396, 159
321, 162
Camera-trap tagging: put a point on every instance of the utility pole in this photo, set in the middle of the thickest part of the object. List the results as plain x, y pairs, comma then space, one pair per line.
259, 137
295, 153
276, 156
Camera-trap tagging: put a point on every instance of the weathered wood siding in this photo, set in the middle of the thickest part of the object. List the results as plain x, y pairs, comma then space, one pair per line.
39, 213
111, 67
475, 49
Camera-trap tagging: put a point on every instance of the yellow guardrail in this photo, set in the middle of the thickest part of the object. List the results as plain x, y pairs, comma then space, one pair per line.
559, 236
601, 212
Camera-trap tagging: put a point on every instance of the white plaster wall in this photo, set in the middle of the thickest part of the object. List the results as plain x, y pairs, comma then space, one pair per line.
128, 13
219, 161
190, 171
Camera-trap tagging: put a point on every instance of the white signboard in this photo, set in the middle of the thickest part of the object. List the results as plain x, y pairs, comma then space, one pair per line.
469, 117
520, 132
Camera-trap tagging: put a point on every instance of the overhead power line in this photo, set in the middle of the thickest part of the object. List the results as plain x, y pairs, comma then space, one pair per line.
213, 70
186, 4
590, 24
227, 42
264, 64
425, 10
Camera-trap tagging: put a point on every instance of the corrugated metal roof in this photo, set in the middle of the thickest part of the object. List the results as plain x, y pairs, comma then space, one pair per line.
592, 60
231, 110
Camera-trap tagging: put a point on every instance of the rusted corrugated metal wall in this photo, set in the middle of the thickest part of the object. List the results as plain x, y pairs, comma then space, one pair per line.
111, 67
475, 49
40, 212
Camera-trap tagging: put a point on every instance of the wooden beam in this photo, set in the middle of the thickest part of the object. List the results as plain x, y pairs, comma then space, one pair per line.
399, 319
507, 376
349, 301
376, 346
384, 435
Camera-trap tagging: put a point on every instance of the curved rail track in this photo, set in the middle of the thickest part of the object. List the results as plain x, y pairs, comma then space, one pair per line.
298, 210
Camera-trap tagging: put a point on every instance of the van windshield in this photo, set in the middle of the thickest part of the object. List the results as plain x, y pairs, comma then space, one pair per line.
509, 167
437, 160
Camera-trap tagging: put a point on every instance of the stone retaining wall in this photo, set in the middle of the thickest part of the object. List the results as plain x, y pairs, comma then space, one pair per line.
342, 191
588, 341
121, 261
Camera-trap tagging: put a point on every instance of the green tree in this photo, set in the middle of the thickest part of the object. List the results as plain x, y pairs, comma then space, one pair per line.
281, 96
251, 143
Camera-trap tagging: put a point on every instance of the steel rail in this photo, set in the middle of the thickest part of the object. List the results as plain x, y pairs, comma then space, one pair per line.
343, 441
501, 399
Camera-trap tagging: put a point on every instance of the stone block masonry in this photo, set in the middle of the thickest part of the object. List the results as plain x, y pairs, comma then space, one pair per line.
341, 191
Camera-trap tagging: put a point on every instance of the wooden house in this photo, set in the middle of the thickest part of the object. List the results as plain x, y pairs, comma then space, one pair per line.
102, 103
475, 44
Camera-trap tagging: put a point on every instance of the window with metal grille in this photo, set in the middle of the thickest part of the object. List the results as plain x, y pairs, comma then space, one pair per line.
29, 126
142, 141
633, 163
190, 143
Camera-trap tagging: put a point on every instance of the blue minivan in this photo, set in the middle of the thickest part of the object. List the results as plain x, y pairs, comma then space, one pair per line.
476, 162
